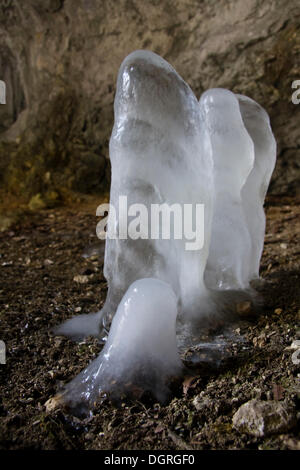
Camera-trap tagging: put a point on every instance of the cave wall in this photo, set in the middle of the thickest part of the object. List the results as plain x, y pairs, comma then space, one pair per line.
60, 59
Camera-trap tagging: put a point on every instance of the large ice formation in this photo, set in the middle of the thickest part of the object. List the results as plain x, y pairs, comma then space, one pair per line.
160, 153
167, 148
140, 351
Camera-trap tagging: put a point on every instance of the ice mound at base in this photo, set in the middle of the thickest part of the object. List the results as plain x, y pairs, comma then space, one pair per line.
140, 351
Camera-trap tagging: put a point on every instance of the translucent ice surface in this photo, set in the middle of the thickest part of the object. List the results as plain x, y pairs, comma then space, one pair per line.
244, 153
233, 155
257, 123
140, 352
160, 153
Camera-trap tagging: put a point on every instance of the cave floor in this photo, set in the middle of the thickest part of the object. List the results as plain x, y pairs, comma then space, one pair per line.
41, 259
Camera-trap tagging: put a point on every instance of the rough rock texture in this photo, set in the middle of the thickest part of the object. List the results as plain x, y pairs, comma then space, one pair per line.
262, 418
60, 61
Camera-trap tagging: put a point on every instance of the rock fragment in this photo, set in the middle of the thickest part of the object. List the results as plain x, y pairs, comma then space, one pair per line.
261, 418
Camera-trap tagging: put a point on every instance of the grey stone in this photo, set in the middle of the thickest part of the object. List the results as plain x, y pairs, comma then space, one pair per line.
262, 418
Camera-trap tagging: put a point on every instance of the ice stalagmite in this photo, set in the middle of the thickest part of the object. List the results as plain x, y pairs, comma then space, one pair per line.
160, 155
233, 155
257, 123
140, 352
244, 154
169, 155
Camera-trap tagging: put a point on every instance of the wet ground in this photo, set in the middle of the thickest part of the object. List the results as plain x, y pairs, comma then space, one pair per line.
45, 279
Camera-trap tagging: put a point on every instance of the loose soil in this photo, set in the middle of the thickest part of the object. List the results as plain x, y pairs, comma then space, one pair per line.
39, 258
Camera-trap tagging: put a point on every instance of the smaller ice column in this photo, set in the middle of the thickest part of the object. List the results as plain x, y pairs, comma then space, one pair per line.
140, 351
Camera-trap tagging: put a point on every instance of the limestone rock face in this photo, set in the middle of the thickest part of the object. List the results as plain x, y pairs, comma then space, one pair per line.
60, 60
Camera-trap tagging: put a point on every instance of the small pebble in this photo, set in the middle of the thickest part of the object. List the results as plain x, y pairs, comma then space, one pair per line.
81, 279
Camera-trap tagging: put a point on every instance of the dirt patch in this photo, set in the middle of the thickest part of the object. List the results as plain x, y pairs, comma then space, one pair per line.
39, 260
